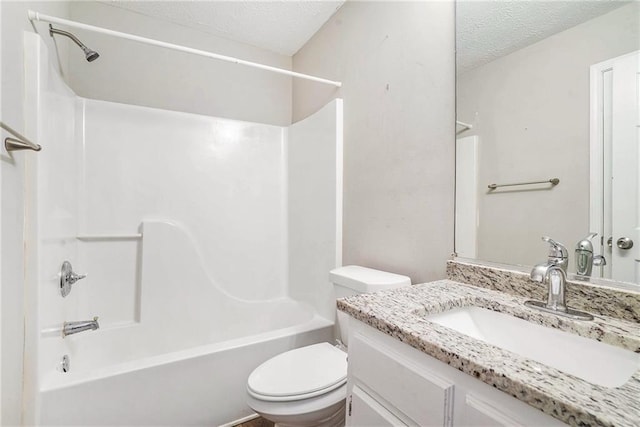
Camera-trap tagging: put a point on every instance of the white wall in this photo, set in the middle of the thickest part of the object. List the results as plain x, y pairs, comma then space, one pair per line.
138, 74
396, 61
531, 111
13, 178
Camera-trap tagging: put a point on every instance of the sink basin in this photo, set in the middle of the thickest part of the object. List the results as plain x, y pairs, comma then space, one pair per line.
590, 360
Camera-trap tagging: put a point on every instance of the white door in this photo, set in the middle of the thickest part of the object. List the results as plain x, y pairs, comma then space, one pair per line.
618, 101
625, 182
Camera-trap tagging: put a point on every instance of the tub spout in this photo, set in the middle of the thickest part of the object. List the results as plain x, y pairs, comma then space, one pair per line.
71, 328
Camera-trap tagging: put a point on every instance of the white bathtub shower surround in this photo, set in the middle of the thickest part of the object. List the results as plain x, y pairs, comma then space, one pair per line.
186, 226
173, 269
191, 355
223, 179
50, 204
314, 154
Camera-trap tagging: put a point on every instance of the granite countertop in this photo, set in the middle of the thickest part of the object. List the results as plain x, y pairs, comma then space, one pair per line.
400, 313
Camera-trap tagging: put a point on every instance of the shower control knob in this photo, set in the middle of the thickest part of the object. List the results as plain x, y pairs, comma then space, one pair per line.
68, 277
624, 243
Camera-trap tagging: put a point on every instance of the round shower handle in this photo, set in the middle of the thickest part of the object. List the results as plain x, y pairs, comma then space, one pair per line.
68, 277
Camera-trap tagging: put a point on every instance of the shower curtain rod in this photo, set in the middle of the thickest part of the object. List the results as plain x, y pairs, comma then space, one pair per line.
36, 16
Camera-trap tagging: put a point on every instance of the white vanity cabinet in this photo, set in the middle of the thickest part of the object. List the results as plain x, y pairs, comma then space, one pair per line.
393, 384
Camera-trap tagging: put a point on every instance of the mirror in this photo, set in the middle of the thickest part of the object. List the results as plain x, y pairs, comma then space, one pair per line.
541, 103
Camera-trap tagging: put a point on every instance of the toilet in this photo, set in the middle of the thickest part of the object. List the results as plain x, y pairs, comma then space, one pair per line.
307, 386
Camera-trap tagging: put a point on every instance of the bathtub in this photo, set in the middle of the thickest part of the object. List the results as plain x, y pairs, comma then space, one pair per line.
204, 385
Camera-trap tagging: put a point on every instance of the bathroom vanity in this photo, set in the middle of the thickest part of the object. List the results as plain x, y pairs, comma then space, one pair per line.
391, 383
440, 354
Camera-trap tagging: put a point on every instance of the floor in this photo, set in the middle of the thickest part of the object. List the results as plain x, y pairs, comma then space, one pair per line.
256, 422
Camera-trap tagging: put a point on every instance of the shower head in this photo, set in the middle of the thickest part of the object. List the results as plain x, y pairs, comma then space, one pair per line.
90, 55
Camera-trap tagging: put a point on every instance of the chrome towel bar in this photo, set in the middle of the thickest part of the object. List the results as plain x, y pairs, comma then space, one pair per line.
88, 237
21, 143
552, 181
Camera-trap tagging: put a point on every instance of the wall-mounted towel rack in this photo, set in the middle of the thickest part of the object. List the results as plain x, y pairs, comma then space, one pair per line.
552, 181
21, 143
466, 126
87, 237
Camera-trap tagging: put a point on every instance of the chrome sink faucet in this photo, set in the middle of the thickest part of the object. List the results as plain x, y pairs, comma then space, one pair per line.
585, 259
554, 274
70, 328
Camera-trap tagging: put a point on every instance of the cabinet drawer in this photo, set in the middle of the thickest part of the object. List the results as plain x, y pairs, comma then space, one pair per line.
477, 412
364, 411
416, 392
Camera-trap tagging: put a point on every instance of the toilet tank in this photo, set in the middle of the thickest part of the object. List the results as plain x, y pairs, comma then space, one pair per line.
352, 280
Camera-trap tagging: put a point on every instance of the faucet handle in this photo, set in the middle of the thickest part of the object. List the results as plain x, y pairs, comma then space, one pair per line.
557, 249
599, 261
585, 244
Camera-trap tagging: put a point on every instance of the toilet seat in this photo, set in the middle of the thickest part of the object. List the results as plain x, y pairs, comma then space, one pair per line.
299, 374
306, 412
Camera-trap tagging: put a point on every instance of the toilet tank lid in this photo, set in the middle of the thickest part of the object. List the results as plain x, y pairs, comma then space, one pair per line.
363, 279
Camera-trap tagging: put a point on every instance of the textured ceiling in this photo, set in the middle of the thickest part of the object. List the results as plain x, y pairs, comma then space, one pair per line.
279, 26
486, 30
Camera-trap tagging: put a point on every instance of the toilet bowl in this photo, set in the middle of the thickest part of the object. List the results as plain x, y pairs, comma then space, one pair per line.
301, 387
307, 386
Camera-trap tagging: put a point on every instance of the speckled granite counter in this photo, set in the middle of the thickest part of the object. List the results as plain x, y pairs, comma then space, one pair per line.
401, 314
604, 297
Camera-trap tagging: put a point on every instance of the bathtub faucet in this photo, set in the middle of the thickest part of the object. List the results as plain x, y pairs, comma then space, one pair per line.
71, 328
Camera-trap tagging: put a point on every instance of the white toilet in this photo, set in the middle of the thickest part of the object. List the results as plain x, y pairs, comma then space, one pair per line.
307, 386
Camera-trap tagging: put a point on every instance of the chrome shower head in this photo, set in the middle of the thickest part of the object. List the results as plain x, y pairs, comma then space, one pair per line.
90, 55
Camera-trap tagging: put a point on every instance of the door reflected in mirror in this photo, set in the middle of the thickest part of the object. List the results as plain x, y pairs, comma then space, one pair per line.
547, 99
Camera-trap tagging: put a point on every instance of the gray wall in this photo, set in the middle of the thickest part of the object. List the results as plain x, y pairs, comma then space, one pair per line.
396, 61
531, 111
134, 73
13, 181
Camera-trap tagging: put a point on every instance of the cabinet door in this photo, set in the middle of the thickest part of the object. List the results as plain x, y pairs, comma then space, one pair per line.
364, 411
420, 394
